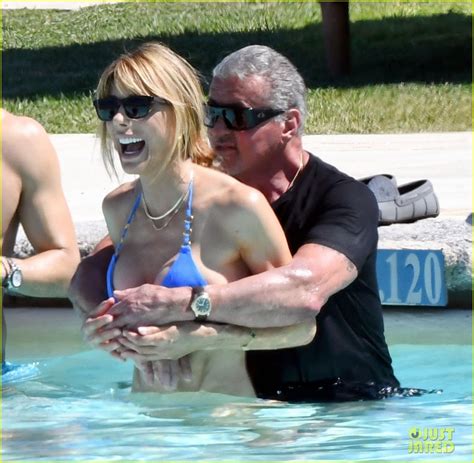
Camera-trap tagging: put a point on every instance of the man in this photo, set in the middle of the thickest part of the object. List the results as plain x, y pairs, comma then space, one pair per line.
32, 196
256, 115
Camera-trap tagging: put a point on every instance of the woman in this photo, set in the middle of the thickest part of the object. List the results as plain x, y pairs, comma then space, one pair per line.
180, 223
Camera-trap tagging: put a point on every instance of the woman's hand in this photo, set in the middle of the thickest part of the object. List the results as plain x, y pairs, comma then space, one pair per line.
96, 332
172, 342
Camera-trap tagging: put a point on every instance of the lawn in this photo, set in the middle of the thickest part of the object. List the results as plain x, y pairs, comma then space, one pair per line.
411, 61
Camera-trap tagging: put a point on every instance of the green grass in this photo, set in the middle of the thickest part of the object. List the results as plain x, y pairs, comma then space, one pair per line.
393, 108
411, 61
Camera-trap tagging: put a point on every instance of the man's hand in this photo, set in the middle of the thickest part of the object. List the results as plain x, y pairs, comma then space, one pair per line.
150, 343
150, 305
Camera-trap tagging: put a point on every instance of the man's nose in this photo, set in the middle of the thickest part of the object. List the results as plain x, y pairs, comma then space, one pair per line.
219, 126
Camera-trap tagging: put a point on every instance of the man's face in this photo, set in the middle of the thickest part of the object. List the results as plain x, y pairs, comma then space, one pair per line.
244, 154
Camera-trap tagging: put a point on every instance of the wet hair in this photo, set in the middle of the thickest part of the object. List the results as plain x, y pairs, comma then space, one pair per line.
153, 69
287, 87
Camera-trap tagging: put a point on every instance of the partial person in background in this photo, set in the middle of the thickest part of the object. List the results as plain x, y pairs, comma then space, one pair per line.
32, 196
180, 224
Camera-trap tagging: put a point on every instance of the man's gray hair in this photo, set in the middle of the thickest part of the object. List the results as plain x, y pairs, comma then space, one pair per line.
287, 87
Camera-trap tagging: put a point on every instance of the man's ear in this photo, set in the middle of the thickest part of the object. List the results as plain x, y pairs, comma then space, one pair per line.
291, 123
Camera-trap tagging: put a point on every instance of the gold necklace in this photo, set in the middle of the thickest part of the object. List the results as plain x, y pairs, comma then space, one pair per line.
161, 227
170, 212
297, 172
173, 208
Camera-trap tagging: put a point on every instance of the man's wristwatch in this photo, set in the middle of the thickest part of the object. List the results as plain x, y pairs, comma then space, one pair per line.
14, 277
200, 304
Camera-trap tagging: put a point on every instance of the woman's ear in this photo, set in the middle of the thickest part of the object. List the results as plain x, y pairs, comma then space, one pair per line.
291, 124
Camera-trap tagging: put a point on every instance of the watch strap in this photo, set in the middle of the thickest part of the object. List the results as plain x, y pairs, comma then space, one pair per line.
197, 291
7, 272
13, 267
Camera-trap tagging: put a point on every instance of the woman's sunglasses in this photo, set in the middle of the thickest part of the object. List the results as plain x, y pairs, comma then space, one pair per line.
236, 118
135, 106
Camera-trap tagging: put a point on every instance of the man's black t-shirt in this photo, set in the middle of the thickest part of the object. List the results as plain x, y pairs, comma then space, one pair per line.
348, 354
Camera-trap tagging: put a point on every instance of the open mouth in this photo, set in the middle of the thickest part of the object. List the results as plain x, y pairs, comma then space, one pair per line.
131, 146
224, 147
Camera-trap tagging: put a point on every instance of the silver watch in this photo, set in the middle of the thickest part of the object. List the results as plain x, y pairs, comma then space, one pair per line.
200, 304
14, 278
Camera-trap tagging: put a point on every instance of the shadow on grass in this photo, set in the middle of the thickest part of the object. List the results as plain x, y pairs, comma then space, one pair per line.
419, 49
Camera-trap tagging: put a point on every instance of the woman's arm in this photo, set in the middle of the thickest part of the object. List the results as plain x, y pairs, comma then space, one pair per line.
172, 342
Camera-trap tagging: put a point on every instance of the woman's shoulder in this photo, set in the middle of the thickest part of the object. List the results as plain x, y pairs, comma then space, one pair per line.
222, 190
230, 203
121, 197
116, 207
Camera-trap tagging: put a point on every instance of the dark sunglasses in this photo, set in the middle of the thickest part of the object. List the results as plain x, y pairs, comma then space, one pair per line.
135, 106
236, 118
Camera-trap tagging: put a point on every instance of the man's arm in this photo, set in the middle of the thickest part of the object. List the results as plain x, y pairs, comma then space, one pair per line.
275, 309
338, 244
279, 297
43, 212
289, 296
285, 295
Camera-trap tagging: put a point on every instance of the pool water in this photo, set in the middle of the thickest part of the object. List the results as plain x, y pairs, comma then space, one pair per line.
79, 407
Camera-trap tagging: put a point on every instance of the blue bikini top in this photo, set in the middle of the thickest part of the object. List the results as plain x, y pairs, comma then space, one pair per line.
184, 271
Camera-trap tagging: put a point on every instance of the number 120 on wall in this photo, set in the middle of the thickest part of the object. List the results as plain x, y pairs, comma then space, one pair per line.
411, 277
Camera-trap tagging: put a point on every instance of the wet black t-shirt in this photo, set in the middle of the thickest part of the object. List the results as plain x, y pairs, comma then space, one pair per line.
348, 356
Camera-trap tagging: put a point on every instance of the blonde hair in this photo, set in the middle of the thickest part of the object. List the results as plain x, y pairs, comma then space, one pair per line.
154, 70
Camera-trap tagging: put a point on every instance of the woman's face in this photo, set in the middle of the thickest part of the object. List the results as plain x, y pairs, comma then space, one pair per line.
144, 144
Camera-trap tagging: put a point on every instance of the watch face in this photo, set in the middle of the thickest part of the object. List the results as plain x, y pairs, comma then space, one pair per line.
16, 278
202, 305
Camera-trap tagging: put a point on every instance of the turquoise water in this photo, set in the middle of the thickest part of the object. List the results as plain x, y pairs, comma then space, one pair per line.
79, 407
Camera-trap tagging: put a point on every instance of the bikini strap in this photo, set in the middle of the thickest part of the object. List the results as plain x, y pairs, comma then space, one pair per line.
131, 216
113, 260
188, 221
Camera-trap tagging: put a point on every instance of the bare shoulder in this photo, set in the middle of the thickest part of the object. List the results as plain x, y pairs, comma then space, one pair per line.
116, 207
228, 195
21, 129
242, 211
120, 198
24, 139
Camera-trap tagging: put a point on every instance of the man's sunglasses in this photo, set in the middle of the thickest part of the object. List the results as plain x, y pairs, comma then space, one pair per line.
135, 106
236, 118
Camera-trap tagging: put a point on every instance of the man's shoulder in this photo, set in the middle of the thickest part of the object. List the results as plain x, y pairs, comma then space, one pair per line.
331, 206
21, 127
327, 172
327, 179
24, 138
